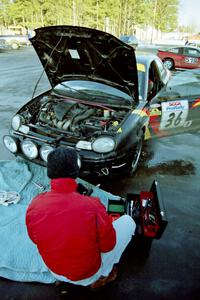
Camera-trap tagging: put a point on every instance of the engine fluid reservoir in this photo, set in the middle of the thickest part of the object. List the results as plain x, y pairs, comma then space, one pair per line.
106, 113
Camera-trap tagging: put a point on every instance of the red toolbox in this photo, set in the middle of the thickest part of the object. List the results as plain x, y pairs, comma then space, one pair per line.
146, 208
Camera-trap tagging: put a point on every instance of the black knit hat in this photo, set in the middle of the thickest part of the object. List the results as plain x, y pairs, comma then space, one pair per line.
62, 163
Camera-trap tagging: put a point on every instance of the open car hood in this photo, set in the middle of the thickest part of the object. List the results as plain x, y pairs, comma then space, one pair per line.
72, 52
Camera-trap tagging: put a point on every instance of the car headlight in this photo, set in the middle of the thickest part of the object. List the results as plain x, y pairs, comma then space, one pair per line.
84, 145
16, 122
10, 143
29, 149
44, 151
103, 144
79, 161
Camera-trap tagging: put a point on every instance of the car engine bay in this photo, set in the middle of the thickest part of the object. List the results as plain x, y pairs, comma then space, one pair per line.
76, 118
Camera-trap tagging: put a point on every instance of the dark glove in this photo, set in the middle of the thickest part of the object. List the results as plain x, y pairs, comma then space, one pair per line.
83, 190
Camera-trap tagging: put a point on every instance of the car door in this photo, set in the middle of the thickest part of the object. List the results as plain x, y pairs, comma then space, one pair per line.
176, 54
164, 74
191, 58
158, 75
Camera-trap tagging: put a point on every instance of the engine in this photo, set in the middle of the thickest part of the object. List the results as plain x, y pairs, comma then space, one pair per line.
78, 118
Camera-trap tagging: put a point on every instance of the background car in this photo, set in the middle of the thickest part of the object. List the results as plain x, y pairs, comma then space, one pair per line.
15, 41
93, 105
180, 57
152, 75
2, 44
130, 40
193, 44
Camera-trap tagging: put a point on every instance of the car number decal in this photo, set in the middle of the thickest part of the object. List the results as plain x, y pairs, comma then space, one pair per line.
174, 114
191, 60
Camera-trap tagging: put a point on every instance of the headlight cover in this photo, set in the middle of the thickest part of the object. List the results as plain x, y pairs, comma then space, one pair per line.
16, 122
79, 161
103, 144
44, 151
29, 149
10, 143
84, 145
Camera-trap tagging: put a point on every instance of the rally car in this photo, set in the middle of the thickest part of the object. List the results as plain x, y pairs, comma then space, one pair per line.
176, 108
93, 105
186, 57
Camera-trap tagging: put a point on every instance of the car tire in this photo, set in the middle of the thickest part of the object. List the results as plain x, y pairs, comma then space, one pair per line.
168, 63
14, 46
137, 154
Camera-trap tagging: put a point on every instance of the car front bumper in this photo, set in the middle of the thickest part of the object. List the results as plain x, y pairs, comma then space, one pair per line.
98, 164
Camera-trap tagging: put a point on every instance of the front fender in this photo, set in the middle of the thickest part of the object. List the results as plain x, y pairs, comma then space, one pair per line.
130, 130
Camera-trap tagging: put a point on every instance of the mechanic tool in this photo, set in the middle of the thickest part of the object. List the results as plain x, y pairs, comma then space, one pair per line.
10, 197
116, 208
39, 186
84, 190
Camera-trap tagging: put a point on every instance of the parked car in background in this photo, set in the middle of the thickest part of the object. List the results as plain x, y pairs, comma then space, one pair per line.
15, 41
194, 44
152, 75
130, 40
186, 57
2, 44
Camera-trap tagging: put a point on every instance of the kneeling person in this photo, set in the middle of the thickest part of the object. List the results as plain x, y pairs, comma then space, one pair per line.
73, 232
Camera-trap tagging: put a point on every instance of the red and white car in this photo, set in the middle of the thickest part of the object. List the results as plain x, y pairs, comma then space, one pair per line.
180, 57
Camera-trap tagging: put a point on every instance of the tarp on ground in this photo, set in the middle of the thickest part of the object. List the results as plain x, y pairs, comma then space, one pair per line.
19, 257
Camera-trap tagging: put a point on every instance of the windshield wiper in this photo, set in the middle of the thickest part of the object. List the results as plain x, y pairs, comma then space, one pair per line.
93, 98
77, 91
65, 98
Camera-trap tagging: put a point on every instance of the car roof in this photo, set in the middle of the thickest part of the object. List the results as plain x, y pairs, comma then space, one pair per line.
191, 46
179, 47
145, 59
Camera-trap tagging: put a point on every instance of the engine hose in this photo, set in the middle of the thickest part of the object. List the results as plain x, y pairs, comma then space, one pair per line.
105, 171
81, 117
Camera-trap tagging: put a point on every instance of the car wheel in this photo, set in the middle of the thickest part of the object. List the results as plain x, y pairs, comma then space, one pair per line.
14, 46
137, 154
168, 63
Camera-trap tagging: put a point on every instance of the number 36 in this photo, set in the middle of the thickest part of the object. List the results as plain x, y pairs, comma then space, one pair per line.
173, 120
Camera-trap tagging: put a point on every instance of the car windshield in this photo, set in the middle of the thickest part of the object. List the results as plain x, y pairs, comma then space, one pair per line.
184, 84
142, 72
92, 91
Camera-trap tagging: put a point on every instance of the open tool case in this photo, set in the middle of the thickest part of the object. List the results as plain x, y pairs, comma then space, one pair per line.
145, 208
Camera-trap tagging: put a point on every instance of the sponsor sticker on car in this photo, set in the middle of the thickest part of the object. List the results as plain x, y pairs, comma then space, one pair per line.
174, 114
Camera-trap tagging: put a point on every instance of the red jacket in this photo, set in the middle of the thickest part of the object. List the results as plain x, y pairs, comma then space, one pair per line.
70, 230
